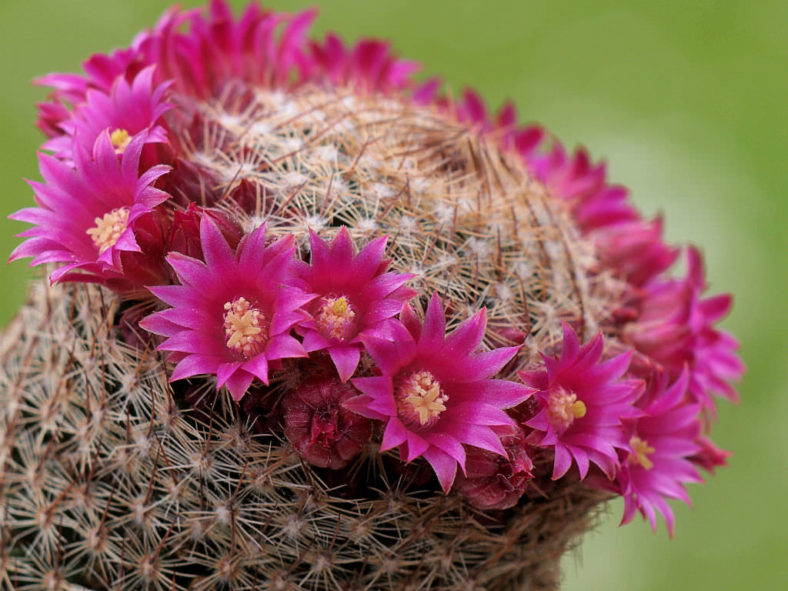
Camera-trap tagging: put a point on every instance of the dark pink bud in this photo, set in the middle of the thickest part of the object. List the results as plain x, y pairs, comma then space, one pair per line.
185, 232
184, 236
320, 428
512, 334
492, 481
710, 456
248, 196
50, 116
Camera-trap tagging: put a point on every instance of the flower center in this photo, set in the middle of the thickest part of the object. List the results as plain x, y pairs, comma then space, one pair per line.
245, 327
336, 318
641, 450
421, 399
120, 139
108, 228
563, 408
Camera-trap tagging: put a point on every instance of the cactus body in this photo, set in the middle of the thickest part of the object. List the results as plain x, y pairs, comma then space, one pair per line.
124, 467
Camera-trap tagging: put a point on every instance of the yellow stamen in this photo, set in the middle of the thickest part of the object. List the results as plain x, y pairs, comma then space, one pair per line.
336, 317
421, 397
563, 408
641, 450
245, 328
109, 228
120, 139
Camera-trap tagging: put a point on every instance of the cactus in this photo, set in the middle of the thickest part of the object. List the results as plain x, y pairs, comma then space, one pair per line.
109, 481
114, 476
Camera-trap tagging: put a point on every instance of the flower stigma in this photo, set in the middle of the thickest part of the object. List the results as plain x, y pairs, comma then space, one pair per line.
563, 408
421, 398
640, 452
109, 228
120, 139
336, 317
245, 328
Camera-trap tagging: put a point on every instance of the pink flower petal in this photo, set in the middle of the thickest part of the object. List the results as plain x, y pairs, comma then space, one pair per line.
345, 359
445, 467
394, 435
238, 383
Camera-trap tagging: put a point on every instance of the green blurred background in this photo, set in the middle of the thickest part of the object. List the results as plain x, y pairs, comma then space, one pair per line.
687, 101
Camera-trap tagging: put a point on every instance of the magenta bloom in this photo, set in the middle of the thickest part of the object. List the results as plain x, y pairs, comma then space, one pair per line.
86, 214
661, 445
356, 298
676, 329
102, 71
232, 314
435, 391
127, 110
581, 405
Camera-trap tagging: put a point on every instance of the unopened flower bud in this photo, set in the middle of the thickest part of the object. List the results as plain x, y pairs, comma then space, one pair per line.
492, 481
322, 431
709, 456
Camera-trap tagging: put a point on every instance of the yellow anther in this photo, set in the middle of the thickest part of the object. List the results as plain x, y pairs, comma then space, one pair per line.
579, 409
109, 228
563, 408
245, 327
421, 398
641, 450
120, 139
336, 318
340, 305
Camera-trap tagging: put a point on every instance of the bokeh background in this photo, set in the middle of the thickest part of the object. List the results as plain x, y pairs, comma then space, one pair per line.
688, 103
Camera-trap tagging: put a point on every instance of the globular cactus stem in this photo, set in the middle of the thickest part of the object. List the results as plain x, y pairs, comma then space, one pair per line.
314, 325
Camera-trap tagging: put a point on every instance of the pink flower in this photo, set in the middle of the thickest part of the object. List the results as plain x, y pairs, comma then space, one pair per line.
232, 314
356, 298
581, 405
320, 428
675, 328
492, 481
127, 110
661, 445
435, 391
102, 71
86, 214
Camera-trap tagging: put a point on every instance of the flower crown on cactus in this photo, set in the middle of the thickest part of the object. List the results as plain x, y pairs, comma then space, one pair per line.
366, 264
